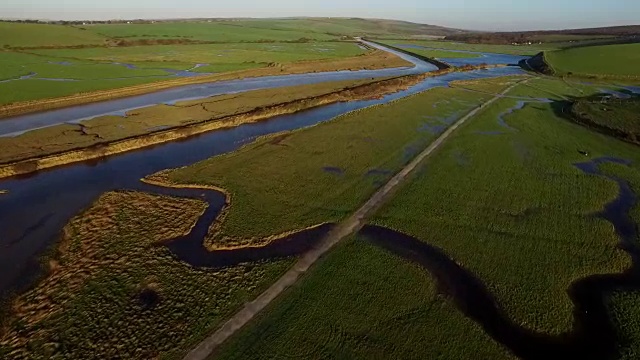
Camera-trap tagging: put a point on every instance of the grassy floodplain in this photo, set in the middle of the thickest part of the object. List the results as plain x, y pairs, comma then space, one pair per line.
340, 163
498, 49
625, 310
41, 61
219, 31
184, 56
617, 117
116, 293
380, 308
619, 61
520, 203
510, 207
59, 72
435, 53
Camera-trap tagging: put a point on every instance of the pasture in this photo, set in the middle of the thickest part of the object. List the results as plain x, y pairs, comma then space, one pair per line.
625, 312
503, 198
340, 164
498, 49
618, 61
616, 117
214, 110
361, 302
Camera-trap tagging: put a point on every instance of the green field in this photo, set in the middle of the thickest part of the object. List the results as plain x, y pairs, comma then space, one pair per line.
522, 211
214, 111
87, 53
438, 54
219, 31
613, 116
344, 27
212, 54
360, 149
362, 303
509, 207
102, 68
93, 305
498, 49
625, 310
32, 35
600, 61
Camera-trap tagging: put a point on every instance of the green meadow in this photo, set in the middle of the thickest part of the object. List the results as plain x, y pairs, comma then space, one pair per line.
380, 308
619, 61
115, 293
33, 35
498, 49
502, 199
338, 164
508, 204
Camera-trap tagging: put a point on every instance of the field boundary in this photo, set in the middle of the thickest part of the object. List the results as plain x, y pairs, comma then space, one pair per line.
344, 229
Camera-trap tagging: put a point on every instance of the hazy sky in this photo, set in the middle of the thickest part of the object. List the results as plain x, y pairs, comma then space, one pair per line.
467, 14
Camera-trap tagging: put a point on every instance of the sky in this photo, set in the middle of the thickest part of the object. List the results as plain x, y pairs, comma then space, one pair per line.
493, 15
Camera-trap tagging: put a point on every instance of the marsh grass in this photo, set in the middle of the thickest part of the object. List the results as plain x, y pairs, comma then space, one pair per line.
278, 184
96, 75
498, 49
361, 302
605, 60
114, 292
517, 212
217, 110
617, 117
625, 313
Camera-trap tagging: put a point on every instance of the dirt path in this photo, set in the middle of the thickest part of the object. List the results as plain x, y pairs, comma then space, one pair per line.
346, 228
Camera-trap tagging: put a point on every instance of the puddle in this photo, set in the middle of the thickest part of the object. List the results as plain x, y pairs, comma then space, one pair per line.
333, 170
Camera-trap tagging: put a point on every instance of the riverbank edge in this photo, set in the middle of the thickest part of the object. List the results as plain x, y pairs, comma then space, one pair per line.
34, 106
161, 179
440, 64
360, 92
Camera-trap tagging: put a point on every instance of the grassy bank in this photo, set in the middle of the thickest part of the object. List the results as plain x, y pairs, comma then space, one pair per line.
612, 116
616, 61
115, 293
108, 135
625, 312
522, 213
381, 307
340, 163
498, 49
